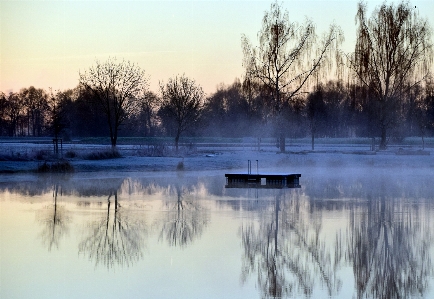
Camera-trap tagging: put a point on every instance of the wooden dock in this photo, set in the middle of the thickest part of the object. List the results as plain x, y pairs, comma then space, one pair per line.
263, 180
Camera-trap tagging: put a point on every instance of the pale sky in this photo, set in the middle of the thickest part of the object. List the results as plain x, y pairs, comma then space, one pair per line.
47, 43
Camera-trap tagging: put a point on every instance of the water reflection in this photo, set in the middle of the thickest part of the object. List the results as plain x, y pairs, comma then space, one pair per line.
54, 220
286, 251
339, 237
185, 220
115, 239
389, 249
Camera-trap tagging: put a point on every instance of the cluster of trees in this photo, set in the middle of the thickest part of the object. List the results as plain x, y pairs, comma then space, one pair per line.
384, 88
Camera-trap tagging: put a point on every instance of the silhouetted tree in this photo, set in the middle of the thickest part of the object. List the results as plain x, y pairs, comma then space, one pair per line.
181, 104
12, 110
35, 101
148, 113
420, 111
227, 112
393, 53
288, 56
3, 122
118, 88
316, 112
81, 104
56, 114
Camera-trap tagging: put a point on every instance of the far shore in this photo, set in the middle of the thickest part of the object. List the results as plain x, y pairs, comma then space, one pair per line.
17, 157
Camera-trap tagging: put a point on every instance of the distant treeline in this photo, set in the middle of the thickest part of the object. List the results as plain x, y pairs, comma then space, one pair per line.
334, 109
385, 88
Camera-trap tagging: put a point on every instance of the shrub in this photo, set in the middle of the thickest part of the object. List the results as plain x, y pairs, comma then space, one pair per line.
180, 166
108, 154
41, 155
59, 166
70, 154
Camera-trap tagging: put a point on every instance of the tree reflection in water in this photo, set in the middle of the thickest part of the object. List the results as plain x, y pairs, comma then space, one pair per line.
389, 249
55, 222
185, 220
286, 251
116, 239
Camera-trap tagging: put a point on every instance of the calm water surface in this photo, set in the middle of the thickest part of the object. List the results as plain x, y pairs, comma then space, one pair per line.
165, 235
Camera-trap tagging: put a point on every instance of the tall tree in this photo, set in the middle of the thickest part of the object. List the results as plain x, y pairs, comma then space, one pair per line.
393, 54
56, 114
11, 110
35, 101
181, 104
117, 87
288, 56
147, 115
316, 112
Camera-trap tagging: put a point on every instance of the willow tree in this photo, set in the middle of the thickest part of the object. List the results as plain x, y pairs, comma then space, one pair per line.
118, 88
288, 57
393, 54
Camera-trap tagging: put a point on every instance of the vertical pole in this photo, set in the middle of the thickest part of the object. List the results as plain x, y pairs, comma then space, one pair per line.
257, 167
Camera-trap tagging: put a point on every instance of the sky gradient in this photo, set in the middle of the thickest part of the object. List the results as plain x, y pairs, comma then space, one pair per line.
47, 43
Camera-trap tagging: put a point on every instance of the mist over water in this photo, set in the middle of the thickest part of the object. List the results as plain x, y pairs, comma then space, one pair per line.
346, 232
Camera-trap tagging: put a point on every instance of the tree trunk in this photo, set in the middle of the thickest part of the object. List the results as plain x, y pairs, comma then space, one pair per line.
176, 141
313, 140
282, 143
383, 142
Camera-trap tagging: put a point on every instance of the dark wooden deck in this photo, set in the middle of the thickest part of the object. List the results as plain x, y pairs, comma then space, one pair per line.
262, 180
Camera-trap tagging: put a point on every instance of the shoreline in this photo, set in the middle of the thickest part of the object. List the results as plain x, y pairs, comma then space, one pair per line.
230, 160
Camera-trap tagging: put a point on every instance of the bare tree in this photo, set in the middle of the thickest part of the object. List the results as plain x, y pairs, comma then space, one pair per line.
148, 111
56, 117
393, 53
181, 103
35, 101
288, 56
117, 87
11, 112
315, 111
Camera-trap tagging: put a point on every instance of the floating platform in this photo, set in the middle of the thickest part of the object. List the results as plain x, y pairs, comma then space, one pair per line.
263, 180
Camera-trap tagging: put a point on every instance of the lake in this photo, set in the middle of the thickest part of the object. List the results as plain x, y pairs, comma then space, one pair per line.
345, 233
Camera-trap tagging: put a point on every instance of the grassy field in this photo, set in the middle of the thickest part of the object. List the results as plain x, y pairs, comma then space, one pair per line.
216, 141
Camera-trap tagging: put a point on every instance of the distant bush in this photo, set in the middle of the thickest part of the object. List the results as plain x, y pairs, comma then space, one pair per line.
180, 166
108, 154
155, 150
59, 166
41, 155
70, 154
